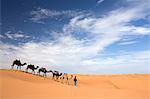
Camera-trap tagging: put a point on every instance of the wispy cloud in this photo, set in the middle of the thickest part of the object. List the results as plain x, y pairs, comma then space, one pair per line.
40, 13
127, 43
1, 36
121, 63
100, 1
67, 51
64, 57
15, 35
112, 27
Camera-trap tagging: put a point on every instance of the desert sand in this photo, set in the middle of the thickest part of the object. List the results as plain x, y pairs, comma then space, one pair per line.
20, 85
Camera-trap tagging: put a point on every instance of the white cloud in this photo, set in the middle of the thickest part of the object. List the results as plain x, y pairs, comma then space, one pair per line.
127, 43
130, 62
40, 14
117, 21
123, 58
65, 52
72, 57
15, 35
70, 54
111, 27
1, 36
100, 1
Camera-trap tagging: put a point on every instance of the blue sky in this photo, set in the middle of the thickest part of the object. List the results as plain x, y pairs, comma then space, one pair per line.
77, 36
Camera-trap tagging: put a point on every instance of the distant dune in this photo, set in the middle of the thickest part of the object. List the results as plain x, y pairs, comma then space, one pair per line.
21, 85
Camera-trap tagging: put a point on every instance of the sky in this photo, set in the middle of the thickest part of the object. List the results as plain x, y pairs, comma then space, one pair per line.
77, 36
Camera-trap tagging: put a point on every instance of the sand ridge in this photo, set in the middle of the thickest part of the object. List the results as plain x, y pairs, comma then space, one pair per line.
20, 85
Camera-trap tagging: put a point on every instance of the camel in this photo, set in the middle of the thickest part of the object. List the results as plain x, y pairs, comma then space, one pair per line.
43, 70
56, 74
18, 63
66, 77
32, 67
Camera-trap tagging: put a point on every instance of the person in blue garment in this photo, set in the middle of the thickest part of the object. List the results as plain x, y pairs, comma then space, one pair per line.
75, 81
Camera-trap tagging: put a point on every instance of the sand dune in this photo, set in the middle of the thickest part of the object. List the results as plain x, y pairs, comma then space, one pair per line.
21, 85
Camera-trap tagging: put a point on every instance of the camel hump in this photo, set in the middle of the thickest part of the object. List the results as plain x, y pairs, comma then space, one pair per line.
30, 65
16, 60
50, 71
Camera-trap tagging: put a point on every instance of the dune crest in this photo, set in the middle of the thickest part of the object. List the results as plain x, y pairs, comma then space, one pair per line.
20, 85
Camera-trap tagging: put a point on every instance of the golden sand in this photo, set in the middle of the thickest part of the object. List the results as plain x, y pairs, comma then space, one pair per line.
21, 85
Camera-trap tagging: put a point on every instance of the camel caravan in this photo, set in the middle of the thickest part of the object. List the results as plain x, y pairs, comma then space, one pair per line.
56, 75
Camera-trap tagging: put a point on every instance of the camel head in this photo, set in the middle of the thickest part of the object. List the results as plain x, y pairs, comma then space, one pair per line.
24, 64
60, 74
56, 72
37, 67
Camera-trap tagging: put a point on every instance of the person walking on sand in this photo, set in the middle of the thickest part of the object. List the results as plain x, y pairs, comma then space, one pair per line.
68, 79
75, 81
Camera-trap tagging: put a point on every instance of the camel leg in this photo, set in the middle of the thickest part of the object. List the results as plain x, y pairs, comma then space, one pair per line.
12, 66
17, 67
26, 69
44, 75
33, 72
53, 76
57, 78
